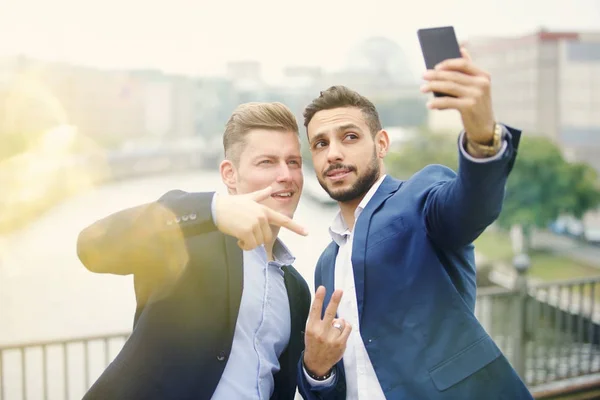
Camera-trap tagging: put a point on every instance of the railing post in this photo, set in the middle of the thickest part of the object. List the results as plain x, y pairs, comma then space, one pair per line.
521, 263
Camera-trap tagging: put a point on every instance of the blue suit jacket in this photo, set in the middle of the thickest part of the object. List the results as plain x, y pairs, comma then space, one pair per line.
182, 336
414, 272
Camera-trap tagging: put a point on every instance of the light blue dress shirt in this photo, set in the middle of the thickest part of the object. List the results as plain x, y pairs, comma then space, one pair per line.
263, 327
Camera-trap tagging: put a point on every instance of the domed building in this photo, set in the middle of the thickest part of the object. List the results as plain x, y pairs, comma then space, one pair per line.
383, 59
379, 69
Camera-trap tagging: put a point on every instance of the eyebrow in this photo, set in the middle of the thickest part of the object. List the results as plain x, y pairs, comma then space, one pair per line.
346, 127
273, 156
340, 128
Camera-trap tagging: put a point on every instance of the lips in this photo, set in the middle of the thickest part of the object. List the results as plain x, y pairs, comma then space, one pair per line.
283, 194
338, 172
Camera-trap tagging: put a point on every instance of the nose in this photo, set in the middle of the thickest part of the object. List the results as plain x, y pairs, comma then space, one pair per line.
284, 174
334, 153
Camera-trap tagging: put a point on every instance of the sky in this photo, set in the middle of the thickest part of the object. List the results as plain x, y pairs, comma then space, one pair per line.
199, 37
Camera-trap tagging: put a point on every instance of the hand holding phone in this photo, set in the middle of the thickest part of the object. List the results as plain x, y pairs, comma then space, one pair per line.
437, 45
457, 83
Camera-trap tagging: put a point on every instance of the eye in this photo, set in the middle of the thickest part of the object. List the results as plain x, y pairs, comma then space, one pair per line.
265, 162
351, 136
319, 144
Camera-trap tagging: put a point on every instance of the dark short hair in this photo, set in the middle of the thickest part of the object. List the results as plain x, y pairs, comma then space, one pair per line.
338, 97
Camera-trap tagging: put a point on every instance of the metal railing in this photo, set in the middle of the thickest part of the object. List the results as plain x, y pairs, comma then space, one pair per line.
549, 332
57, 369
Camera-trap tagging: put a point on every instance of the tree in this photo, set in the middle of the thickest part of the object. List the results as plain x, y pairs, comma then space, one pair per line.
427, 148
587, 195
543, 186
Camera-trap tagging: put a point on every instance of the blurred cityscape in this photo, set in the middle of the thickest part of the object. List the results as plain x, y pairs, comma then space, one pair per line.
114, 108
546, 83
67, 128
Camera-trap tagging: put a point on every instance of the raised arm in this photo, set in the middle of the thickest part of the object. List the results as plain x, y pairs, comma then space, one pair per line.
150, 239
143, 238
459, 208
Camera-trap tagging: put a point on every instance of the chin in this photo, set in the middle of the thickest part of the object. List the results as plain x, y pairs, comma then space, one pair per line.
284, 209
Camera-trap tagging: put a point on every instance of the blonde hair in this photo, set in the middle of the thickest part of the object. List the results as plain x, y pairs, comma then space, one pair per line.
255, 115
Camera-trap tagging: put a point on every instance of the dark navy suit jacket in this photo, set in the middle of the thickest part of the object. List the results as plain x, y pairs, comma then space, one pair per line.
414, 272
183, 331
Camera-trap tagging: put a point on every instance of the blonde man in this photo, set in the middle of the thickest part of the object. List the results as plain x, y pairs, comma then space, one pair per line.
221, 310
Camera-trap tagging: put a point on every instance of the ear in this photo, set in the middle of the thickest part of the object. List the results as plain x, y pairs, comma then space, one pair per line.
382, 143
229, 176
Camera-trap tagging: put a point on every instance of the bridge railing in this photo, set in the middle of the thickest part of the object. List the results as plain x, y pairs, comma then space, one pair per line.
550, 332
57, 369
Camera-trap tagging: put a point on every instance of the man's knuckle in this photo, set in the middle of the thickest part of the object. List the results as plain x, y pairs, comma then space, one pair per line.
483, 82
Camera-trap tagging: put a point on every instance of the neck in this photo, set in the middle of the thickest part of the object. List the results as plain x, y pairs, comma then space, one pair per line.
269, 245
347, 210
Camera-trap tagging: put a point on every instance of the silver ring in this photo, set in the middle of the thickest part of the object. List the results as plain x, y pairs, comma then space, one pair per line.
337, 325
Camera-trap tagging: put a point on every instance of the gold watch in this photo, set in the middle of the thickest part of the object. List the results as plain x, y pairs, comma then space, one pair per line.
488, 150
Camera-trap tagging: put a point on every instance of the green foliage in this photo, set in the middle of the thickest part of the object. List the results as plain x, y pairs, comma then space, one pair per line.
427, 148
542, 185
586, 196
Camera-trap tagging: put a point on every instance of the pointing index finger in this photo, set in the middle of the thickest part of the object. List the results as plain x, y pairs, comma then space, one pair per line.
261, 194
279, 219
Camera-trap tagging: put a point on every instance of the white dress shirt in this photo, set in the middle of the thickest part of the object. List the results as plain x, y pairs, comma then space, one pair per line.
361, 381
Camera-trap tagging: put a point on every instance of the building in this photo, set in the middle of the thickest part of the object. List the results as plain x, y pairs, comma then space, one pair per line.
108, 107
547, 83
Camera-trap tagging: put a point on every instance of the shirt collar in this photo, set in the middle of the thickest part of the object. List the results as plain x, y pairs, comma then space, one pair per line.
281, 254
338, 229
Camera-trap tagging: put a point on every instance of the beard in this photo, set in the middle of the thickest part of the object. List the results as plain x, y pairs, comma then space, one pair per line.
359, 188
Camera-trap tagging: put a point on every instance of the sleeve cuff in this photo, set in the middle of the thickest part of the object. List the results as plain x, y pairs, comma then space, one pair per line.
495, 157
316, 383
213, 206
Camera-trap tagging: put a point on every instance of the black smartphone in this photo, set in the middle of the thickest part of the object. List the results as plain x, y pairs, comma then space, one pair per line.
437, 45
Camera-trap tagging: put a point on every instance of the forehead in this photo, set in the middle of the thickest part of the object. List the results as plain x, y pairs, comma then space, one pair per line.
329, 121
271, 142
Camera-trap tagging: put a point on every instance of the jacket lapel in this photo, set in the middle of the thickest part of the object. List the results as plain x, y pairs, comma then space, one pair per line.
361, 232
235, 275
328, 274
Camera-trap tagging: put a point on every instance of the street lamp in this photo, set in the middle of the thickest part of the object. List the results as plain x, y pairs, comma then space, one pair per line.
521, 262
